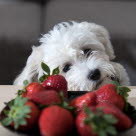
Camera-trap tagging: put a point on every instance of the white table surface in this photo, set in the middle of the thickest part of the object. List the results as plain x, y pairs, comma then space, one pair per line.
8, 92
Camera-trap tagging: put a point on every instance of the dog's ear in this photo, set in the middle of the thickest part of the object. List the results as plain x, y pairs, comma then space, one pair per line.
103, 37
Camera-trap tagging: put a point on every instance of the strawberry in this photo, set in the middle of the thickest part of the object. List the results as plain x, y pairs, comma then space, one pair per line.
92, 122
114, 94
53, 81
55, 121
21, 114
56, 82
124, 122
33, 88
88, 99
24, 94
46, 97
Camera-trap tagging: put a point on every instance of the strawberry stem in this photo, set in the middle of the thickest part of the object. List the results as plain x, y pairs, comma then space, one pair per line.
20, 92
47, 71
17, 112
25, 83
102, 124
64, 103
122, 90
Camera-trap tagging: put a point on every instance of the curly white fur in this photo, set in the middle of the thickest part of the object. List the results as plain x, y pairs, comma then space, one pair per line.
65, 44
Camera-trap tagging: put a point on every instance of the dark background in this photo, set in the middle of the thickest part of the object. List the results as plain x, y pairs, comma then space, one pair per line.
23, 21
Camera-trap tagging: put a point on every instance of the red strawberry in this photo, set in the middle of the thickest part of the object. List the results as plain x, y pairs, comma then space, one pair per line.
22, 114
32, 88
88, 99
55, 121
82, 128
108, 92
56, 82
46, 97
34, 114
124, 122
24, 94
92, 122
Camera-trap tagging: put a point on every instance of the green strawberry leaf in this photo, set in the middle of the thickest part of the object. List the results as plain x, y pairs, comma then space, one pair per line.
88, 112
25, 83
111, 130
64, 103
55, 71
19, 101
6, 121
5, 112
23, 122
8, 104
19, 92
61, 95
122, 90
17, 112
109, 118
45, 68
116, 83
102, 124
43, 77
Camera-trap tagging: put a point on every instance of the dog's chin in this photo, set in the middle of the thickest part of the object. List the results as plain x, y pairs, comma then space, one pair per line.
92, 87
103, 82
99, 84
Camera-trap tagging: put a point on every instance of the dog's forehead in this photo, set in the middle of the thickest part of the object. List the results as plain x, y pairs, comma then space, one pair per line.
69, 41
61, 55
66, 44
76, 31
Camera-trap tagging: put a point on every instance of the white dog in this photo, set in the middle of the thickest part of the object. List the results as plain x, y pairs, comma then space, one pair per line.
83, 53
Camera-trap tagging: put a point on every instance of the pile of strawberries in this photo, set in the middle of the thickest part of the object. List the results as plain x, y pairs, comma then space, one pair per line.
43, 105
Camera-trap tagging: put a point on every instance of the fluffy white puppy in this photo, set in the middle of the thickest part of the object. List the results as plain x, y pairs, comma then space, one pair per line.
83, 53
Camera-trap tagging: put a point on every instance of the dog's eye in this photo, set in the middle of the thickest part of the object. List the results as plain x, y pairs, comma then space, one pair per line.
115, 79
66, 68
87, 52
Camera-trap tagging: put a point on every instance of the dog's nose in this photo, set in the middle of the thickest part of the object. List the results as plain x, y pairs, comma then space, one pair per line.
94, 75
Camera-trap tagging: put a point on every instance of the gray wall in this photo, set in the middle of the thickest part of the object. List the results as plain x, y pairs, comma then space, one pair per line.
23, 21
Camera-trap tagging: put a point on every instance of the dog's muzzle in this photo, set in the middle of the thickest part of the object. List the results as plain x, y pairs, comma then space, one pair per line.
94, 75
